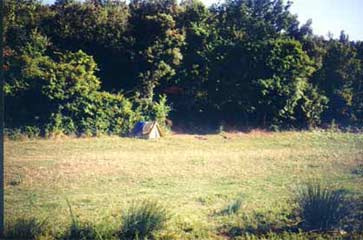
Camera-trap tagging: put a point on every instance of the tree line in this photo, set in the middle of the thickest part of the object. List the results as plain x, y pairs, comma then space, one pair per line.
98, 66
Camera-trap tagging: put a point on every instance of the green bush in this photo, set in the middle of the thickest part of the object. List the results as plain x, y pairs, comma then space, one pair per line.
311, 106
142, 220
73, 75
98, 113
280, 92
152, 110
161, 110
23, 132
13, 133
31, 131
71, 85
321, 208
70, 101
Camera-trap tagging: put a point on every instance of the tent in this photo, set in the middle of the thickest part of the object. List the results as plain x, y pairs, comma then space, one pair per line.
147, 130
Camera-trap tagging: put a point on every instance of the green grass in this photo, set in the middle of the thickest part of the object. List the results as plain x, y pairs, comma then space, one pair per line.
195, 177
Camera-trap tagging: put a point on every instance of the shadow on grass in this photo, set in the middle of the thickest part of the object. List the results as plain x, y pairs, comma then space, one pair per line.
211, 128
25, 229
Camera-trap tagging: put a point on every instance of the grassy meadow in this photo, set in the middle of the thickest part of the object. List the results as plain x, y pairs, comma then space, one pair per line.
195, 177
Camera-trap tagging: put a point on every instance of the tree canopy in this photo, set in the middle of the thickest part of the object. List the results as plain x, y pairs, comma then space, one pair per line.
100, 65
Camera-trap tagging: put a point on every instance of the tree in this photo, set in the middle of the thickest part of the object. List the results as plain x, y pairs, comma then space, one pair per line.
336, 78
357, 99
23, 83
98, 30
157, 44
193, 73
284, 82
240, 62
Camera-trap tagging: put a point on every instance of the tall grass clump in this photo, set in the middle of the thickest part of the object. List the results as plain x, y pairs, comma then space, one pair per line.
142, 220
25, 229
232, 208
80, 231
321, 208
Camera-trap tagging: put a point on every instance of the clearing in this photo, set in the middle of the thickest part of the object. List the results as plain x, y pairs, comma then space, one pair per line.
195, 176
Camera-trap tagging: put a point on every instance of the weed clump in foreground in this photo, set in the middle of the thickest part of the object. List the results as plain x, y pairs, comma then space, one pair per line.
27, 229
77, 230
358, 170
142, 220
85, 231
320, 208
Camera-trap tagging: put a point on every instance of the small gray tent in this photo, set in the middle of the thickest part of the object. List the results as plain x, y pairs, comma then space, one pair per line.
147, 130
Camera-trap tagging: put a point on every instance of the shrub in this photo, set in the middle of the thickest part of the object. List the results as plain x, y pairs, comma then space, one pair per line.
142, 220
13, 134
26, 229
321, 208
93, 115
280, 93
73, 88
153, 110
72, 76
65, 98
161, 110
31, 131
55, 126
311, 106
69, 101
101, 113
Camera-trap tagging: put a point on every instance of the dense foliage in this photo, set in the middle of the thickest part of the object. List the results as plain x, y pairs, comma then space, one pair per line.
97, 66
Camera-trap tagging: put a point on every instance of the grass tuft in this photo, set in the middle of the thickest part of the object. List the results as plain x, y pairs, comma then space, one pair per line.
232, 208
321, 208
142, 220
358, 170
16, 180
80, 231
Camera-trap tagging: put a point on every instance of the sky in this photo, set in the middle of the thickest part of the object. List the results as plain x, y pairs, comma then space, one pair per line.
332, 15
327, 16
